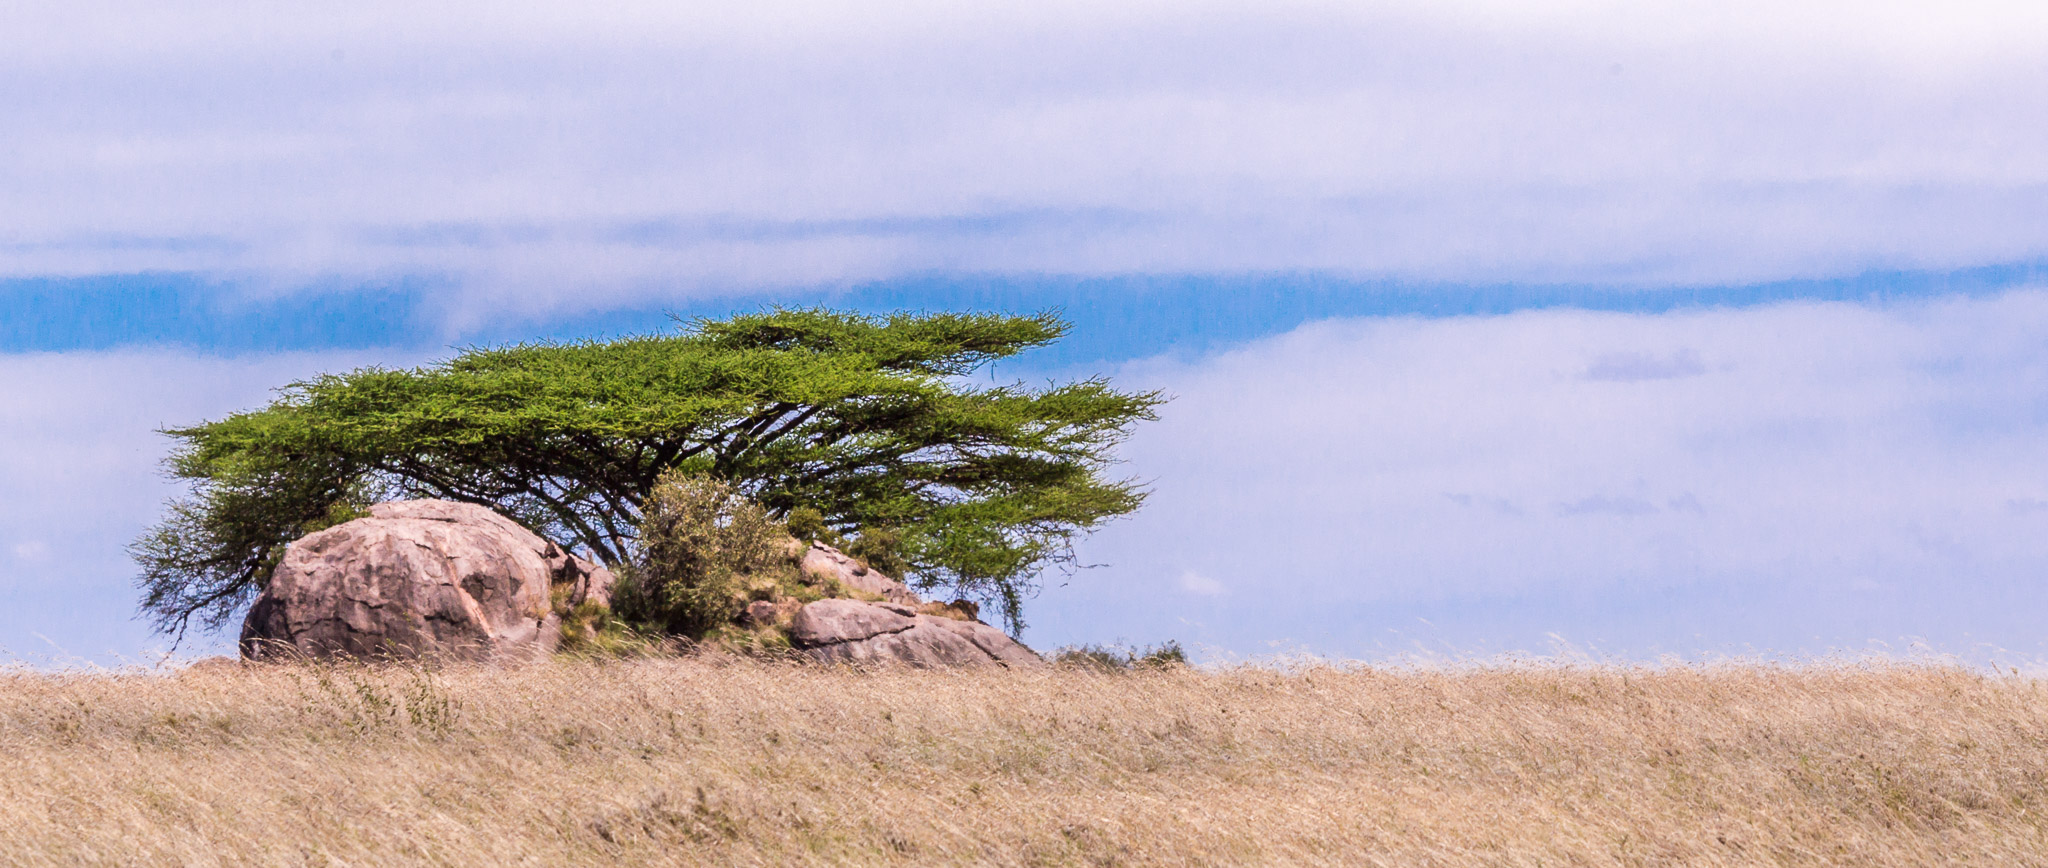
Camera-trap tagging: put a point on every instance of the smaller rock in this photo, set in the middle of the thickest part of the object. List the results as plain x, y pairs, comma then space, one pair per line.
588, 582
995, 643
922, 645
855, 631
823, 563
830, 622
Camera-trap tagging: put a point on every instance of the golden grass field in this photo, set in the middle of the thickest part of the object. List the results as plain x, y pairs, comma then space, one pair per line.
709, 761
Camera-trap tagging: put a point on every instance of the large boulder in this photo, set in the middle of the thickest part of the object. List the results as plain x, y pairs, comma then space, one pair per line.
858, 631
421, 577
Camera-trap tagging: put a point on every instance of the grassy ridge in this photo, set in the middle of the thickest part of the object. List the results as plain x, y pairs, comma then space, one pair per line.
710, 762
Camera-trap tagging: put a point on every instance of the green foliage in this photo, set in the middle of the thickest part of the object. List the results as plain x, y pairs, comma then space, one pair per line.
807, 524
881, 548
1162, 657
702, 544
1117, 659
870, 421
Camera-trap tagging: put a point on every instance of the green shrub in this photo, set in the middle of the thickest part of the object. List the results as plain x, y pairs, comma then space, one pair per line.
1120, 659
807, 524
703, 548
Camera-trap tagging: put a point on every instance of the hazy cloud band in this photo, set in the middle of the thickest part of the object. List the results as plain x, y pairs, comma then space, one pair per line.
538, 155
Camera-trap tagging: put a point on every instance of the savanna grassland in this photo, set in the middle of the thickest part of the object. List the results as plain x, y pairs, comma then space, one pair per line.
720, 761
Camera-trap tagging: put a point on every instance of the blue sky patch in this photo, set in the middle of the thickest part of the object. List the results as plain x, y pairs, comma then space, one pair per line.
1115, 318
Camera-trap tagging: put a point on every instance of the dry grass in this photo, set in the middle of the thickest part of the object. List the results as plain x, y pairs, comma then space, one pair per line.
698, 761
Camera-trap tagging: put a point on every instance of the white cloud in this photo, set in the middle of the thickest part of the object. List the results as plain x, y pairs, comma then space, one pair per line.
1198, 584
1464, 465
1639, 366
546, 155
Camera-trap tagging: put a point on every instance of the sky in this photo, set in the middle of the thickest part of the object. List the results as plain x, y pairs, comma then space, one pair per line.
1626, 330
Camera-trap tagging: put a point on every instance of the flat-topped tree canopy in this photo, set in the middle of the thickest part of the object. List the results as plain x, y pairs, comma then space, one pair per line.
870, 420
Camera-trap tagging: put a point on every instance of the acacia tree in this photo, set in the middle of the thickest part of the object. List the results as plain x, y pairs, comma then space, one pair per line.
872, 421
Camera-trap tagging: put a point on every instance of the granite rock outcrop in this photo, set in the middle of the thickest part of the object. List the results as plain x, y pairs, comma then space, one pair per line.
421, 578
